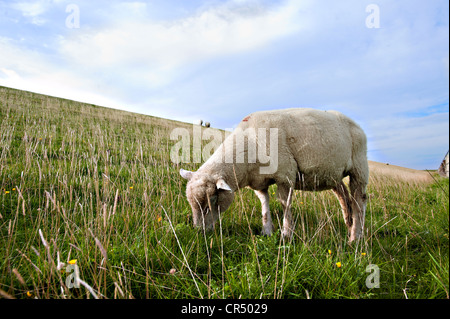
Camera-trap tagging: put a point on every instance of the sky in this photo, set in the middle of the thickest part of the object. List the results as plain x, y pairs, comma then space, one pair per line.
384, 63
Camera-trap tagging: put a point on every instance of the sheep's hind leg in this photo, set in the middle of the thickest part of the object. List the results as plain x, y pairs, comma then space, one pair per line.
285, 197
263, 196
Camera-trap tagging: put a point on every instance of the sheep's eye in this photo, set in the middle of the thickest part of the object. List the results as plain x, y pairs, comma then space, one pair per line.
212, 201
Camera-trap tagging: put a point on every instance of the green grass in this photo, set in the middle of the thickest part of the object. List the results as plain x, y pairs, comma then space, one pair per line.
99, 185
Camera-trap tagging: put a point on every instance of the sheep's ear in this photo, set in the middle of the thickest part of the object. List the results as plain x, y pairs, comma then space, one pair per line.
186, 174
221, 184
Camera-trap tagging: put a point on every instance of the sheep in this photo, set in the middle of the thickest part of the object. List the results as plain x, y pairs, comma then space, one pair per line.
316, 150
207, 124
199, 122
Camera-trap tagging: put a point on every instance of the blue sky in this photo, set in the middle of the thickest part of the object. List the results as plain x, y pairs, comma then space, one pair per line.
220, 60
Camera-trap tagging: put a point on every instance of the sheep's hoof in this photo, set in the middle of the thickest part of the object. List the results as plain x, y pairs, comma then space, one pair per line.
266, 231
286, 235
354, 239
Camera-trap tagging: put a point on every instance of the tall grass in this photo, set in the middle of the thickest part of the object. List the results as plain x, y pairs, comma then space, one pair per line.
95, 185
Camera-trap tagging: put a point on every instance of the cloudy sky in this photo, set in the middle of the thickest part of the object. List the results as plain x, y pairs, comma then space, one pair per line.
384, 63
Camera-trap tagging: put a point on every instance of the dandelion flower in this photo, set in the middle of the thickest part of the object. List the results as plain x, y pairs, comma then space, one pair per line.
29, 293
363, 254
329, 252
6, 192
159, 219
73, 261
338, 264
131, 187
14, 189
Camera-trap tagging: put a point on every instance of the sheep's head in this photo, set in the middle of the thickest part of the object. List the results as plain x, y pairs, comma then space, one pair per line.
207, 195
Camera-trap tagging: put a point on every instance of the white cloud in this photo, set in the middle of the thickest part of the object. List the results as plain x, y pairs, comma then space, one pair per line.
29, 70
159, 48
135, 9
9, 74
55, 84
33, 10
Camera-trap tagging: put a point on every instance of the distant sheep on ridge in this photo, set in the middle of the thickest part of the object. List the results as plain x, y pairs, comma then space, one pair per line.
200, 122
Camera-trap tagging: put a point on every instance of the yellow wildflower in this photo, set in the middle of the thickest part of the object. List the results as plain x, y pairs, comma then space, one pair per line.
29, 293
73, 261
363, 254
329, 252
338, 264
131, 187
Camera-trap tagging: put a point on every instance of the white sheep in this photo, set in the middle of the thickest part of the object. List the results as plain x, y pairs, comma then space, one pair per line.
207, 124
199, 122
316, 150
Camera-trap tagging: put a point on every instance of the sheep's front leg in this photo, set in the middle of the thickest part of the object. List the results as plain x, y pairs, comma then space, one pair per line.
285, 197
359, 202
266, 218
358, 185
345, 200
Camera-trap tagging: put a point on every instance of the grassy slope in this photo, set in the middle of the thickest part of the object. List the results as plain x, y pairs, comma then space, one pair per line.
399, 173
100, 186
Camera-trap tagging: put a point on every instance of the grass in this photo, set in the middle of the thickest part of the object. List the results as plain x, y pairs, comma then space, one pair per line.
96, 185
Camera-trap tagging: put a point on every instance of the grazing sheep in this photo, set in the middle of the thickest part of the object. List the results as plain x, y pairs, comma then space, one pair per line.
316, 150
199, 122
207, 124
